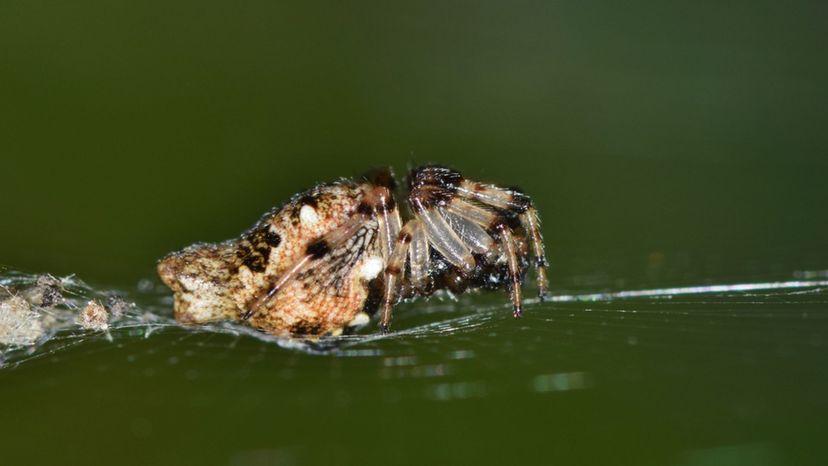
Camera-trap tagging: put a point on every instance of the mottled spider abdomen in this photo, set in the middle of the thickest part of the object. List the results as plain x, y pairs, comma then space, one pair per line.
222, 281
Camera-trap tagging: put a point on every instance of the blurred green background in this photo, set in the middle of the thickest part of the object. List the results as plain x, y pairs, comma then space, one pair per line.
663, 143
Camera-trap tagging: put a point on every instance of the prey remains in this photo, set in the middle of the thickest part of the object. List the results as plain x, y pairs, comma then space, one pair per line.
333, 256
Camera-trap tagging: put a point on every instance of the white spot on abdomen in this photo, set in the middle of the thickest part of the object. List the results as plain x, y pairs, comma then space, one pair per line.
308, 215
371, 267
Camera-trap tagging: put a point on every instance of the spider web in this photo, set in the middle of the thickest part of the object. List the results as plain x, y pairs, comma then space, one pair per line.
31, 329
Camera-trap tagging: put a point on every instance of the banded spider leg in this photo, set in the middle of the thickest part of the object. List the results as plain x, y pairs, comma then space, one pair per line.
515, 204
462, 220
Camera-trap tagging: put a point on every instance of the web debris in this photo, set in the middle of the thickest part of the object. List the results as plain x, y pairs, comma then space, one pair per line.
34, 309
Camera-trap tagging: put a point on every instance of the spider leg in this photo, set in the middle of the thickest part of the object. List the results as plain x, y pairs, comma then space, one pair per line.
477, 216
419, 258
478, 240
495, 196
460, 207
514, 271
315, 250
461, 217
512, 200
379, 199
394, 272
443, 238
531, 222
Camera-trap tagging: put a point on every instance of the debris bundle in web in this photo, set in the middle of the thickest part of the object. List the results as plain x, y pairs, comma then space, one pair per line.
36, 308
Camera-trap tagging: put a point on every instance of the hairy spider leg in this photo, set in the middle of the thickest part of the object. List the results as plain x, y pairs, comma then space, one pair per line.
478, 240
482, 222
419, 259
512, 200
388, 219
514, 271
443, 238
531, 222
494, 221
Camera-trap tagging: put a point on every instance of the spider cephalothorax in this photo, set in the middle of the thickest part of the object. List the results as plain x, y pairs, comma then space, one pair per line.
332, 255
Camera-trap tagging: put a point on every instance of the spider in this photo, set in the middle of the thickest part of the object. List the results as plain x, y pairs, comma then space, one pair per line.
331, 256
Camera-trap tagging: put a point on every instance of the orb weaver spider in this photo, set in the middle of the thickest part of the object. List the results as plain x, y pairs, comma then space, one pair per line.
331, 256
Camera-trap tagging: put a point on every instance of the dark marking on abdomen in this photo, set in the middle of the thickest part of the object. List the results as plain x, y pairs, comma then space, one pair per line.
272, 238
308, 200
305, 328
318, 248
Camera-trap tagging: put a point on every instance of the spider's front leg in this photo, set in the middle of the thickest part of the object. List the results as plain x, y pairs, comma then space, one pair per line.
394, 239
379, 201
